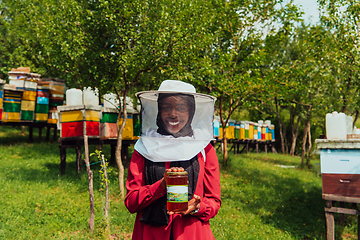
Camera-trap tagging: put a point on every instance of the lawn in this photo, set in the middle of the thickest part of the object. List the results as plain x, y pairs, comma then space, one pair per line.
264, 196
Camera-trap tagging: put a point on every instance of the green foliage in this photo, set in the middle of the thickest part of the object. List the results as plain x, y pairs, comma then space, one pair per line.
103, 180
341, 20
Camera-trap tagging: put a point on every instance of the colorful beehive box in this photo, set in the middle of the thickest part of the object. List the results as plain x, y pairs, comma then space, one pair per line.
31, 81
255, 131
340, 167
11, 103
28, 99
2, 82
128, 131
242, 130
221, 132
267, 133
42, 103
53, 115
216, 126
17, 79
108, 123
259, 129
230, 131
237, 130
263, 133
247, 127
272, 127
56, 88
251, 130
27, 110
81, 120
137, 126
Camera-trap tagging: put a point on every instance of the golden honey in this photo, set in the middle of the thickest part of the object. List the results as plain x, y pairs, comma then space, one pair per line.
177, 191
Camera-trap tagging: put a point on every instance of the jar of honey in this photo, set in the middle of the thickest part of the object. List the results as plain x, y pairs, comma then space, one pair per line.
177, 191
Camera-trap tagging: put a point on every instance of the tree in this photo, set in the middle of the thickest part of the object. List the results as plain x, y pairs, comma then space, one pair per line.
18, 46
341, 20
231, 65
299, 80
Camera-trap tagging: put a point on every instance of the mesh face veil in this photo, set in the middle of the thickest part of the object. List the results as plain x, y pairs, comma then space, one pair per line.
176, 122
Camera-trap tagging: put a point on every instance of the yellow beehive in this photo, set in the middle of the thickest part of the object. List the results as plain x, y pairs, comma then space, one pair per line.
29, 95
11, 117
41, 117
242, 130
221, 131
128, 131
71, 116
91, 115
251, 130
27, 105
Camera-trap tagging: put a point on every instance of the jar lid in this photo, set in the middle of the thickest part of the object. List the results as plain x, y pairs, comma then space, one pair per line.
176, 173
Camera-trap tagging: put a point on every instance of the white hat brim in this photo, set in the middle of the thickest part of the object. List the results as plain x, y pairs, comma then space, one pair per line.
153, 95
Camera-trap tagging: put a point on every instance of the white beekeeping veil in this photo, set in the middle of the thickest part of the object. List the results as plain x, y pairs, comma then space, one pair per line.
176, 122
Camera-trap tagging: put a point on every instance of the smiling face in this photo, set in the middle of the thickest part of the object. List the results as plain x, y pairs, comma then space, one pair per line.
174, 113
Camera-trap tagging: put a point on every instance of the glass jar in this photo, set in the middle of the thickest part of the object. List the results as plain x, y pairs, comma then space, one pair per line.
177, 191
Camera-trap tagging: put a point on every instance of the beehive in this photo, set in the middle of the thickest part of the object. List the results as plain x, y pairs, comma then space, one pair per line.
56, 88
17, 79
231, 130
237, 130
251, 130
108, 123
340, 172
11, 103
81, 120
272, 127
2, 82
242, 130
255, 131
42, 103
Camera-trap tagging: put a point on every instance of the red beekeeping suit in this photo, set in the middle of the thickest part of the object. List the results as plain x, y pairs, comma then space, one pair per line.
189, 227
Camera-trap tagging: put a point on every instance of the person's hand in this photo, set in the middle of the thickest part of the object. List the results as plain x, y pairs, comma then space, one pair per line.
193, 204
173, 169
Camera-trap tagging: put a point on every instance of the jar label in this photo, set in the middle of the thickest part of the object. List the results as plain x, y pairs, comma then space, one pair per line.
178, 193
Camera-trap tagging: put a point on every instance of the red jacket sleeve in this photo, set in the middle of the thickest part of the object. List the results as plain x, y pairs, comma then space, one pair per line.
138, 194
211, 200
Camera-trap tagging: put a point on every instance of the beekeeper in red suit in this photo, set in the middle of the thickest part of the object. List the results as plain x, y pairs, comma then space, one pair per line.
176, 134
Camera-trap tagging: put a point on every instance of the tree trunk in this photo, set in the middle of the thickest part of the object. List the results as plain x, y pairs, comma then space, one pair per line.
304, 143
119, 145
356, 117
225, 145
310, 145
223, 123
294, 133
91, 189
307, 136
280, 126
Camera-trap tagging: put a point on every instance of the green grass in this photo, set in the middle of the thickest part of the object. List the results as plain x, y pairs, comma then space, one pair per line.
260, 198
